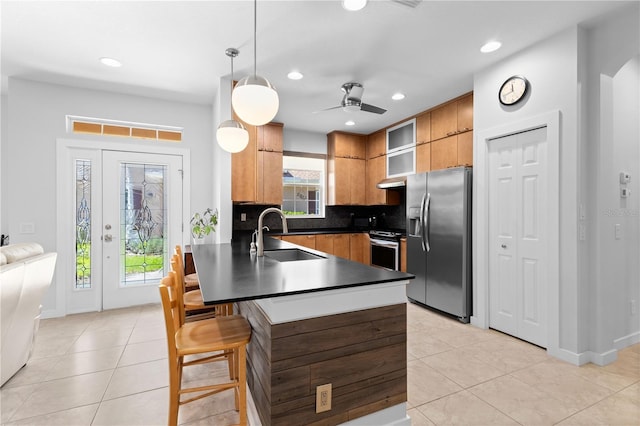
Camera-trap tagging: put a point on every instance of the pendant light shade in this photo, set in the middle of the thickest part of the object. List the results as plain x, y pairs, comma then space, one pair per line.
254, 99
231, 135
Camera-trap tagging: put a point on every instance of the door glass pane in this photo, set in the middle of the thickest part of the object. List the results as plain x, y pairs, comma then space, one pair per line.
142, 224
83, 224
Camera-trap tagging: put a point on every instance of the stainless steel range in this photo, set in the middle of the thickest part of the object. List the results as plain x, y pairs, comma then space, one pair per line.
385, 249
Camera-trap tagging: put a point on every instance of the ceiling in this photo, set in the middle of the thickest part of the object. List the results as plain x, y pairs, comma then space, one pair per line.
176, 49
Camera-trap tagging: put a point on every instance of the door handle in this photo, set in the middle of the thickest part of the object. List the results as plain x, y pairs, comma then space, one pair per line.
504, 246
421, 223
108, 238
426, 222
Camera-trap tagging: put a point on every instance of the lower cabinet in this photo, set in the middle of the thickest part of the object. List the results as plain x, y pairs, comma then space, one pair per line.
360, 248
353, 246
335, 244
308, 241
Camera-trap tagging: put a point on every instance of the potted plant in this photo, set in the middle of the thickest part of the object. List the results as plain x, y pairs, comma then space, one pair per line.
203, 224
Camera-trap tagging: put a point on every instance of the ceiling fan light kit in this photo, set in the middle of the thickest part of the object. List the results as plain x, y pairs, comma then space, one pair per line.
231, 135
254, 99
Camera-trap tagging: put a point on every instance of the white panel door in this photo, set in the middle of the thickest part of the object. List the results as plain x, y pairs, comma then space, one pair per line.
517, 224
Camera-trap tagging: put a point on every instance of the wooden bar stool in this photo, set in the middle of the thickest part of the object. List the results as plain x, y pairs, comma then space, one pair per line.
193, 301
219, 337
191, 281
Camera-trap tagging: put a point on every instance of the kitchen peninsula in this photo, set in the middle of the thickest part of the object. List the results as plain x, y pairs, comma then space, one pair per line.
319, 321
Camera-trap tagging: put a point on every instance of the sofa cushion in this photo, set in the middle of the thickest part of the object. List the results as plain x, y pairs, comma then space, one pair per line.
21, 251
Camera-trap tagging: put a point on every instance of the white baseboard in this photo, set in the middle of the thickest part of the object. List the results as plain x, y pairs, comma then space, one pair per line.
51, 313
626, 341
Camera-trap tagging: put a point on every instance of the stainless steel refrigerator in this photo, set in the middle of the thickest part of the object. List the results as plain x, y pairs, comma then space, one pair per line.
439, 240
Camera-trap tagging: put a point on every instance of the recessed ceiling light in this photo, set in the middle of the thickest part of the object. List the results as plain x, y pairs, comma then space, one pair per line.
350, 123
295, 75
110, 62
491, 46
397, 96
354, 5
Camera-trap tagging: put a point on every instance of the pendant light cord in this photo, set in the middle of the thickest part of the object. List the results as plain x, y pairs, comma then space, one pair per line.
230, 103
255, 30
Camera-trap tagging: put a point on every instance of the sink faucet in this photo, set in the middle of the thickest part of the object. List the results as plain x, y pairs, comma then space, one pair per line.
260, 242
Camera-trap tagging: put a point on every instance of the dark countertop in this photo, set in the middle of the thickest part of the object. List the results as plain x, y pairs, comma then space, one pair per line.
229, 273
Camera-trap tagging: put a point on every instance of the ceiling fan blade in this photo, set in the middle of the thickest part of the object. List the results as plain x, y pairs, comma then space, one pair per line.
327, 109
372, 108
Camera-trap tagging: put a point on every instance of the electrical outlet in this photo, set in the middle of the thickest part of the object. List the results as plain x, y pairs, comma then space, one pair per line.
243, 217
632, 307
323, 398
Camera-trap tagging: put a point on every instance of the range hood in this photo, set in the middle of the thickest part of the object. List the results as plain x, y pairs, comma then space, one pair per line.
394, 182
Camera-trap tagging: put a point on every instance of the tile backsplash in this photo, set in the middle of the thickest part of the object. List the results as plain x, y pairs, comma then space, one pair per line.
336, 217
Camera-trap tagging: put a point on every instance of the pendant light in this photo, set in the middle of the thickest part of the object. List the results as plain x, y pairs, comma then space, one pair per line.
254, 99
231, 135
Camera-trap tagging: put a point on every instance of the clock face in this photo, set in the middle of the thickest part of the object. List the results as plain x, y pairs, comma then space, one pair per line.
513, 90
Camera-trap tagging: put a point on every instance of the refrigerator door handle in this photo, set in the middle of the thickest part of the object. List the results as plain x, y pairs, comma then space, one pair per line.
425, 229
421, 222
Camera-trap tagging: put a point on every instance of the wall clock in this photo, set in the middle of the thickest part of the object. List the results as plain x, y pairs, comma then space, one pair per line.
513, 90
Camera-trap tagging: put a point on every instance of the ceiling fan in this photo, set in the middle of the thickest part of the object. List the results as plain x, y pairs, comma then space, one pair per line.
352, 100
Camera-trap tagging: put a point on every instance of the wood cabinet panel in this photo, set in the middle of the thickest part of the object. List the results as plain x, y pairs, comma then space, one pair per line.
244, 169
347, 145
423, 128
376, 171
403, 254
324, 243
444, 121
270, 137
423, 158
256, 171
269, 177
301, 240
359, 248
465, 149
444, 153
377, 144
357, 182
342, 246
465, 113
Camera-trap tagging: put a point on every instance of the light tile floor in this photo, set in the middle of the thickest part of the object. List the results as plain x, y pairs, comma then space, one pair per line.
110, 368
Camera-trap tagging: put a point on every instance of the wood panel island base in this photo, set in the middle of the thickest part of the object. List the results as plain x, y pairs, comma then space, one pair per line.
361, 353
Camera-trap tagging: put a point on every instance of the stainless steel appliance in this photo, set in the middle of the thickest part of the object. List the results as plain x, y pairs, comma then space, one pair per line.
385, 249
439, 240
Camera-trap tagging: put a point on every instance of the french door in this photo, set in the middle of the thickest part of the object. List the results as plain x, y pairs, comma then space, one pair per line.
518, 237
128, 218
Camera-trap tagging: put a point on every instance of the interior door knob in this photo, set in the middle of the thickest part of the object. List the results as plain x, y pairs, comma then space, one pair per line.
504, 246
108, 238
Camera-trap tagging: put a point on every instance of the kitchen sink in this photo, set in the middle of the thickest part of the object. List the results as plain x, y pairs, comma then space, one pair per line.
291, 255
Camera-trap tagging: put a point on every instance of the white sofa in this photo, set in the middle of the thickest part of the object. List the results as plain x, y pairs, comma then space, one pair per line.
26, 272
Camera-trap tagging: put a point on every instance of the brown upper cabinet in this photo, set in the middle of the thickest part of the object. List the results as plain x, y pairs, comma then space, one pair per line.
346, 169
452, 118
377, 144
423, 128
256, 172
347, 145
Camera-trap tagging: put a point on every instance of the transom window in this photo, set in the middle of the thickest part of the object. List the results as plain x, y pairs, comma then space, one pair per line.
303, 180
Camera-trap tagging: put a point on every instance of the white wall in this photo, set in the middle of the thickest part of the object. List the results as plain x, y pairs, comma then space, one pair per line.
573, 72
551, 68
36, 117
3, 160
303, 141
613, 266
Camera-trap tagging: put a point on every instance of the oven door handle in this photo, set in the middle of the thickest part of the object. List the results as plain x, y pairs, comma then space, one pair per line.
425, 227
384, 243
